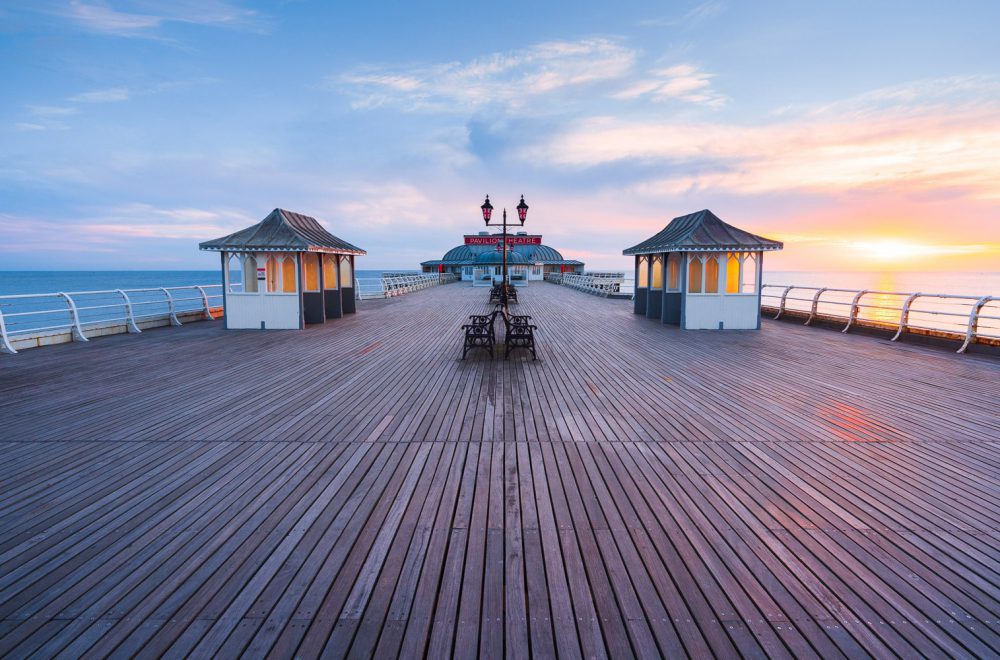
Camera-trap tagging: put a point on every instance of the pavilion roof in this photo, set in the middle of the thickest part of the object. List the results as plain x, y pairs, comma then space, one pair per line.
284, 230
700, 232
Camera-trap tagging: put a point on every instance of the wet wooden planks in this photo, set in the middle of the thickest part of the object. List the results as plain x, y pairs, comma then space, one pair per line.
355, 489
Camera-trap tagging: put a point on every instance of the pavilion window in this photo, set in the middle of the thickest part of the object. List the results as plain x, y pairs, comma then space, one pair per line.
234, 274
695, 267
673, 271
329, 272
750, 273
249, 274
642, 279
656, 270
346, 276
273, 274
310, 271
712, 274
288, 275
733, 273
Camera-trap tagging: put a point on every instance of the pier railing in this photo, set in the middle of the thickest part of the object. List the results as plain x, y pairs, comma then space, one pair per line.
969, 319
373, 288
38, 319
598, 284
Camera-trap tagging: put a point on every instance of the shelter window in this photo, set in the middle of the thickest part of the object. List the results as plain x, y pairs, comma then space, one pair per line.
346, 276
310, 271
642, 280
733, 273
249, 274
288, 275
656, 270
673, 271
750, 273
273, 272
234, 274
695, 268
712, 274
329, 272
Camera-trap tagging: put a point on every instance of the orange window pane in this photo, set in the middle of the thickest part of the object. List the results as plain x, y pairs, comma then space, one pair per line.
273, 275
288, 275
310, 267
643, 277
733, 274
694, 275
657, 270
673, 272
346, 276
712, 275
329, 271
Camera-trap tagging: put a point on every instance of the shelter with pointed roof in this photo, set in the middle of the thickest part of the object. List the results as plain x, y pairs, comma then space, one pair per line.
285, 271
480, 259
701, 273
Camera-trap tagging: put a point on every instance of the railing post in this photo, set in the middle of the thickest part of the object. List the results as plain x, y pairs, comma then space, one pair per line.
75, 316
970, 331
129, 317
204, 299
781, 307
5, 346
854, 310
170, 307
904, 315
815, 306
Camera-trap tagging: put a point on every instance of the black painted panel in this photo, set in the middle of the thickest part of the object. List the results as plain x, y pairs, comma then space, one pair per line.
671, 308
333, 307
640, 300
312, 307
654, 303
347, 299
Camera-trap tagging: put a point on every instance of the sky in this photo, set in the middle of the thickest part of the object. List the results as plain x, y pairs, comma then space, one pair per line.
865, 135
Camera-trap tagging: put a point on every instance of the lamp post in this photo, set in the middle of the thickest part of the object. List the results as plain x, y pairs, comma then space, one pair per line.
522, 213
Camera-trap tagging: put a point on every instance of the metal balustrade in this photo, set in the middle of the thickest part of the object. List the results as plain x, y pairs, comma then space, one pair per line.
603, 284
373, 288
969, 319
75, 314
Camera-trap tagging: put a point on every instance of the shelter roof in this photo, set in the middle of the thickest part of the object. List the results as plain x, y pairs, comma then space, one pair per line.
699, 232
284, 230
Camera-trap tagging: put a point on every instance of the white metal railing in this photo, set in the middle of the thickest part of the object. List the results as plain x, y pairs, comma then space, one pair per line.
966, 318
597, 284
33, 315
371, 288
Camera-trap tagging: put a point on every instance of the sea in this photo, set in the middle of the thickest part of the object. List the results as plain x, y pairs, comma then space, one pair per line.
950, 314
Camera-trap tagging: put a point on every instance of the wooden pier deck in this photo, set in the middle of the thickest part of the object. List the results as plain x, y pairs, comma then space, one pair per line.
355, 489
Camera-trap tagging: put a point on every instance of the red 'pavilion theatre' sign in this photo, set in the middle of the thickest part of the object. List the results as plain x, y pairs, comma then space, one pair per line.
511, 240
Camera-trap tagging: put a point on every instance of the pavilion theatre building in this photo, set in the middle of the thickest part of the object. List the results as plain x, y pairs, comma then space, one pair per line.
480, 259
701, 273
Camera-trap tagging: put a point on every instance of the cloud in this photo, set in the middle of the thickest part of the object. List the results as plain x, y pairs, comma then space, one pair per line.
904, 137
50, 111
112, 95
508, 79
680, 82
698, 14
142, 18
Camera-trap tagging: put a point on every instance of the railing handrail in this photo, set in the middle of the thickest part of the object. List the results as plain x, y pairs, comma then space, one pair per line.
902, 324
389, 286
76, 325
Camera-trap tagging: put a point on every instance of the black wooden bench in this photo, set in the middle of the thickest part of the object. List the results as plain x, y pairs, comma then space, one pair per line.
518, 333
479, 333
